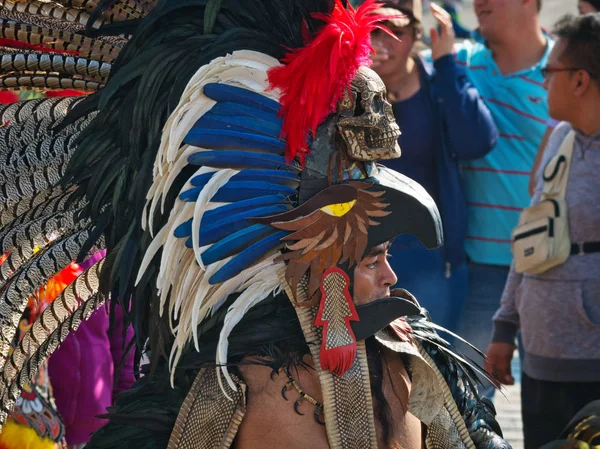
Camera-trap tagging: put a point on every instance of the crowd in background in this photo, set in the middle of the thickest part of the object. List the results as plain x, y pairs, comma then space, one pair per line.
481, 121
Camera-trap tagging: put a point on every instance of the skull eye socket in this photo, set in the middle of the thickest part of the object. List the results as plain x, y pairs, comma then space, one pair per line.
378, 104
359, 109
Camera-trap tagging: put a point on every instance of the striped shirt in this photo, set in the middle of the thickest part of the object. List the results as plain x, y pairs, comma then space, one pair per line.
496, 186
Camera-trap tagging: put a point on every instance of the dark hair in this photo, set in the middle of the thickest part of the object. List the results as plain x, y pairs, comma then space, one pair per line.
594, 3
415, 23
539, 5
582, 37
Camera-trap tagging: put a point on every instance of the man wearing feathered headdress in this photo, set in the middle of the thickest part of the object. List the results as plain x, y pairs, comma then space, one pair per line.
229, 169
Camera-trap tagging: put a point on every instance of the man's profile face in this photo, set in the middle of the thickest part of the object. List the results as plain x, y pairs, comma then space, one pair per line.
557, 84
373, 276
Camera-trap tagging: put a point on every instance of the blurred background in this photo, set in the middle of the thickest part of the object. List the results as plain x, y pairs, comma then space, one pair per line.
508, 402
552, 10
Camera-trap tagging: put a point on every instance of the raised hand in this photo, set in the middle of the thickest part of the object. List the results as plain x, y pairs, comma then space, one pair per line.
442, 40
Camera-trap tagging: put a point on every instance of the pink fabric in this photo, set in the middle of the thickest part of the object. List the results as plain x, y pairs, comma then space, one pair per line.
83, 372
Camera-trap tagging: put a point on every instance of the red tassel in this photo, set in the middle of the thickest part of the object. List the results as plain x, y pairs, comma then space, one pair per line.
5, 42
338, 360
338, 308
312, 79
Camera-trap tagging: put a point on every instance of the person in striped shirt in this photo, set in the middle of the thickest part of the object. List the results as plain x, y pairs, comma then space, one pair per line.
504, 64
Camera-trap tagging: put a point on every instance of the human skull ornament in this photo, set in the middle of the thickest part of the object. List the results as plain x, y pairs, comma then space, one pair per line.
367, 122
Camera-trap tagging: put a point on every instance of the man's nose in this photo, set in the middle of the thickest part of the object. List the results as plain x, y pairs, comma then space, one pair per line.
388, 276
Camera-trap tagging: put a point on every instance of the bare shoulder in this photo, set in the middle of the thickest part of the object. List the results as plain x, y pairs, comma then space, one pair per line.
271, 420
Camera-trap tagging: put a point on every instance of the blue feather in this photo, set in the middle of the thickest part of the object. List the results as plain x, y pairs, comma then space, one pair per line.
185, 229
240, 190
218, 230
247, 257
230, 109
205, 138
240, 124
201, 180
224, 92
236, 242
241, 159
273, 176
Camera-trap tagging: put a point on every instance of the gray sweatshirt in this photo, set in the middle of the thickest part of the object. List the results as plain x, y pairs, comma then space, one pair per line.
558, 312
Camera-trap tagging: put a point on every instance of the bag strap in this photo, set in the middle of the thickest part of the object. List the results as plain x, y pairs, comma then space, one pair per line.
556, 172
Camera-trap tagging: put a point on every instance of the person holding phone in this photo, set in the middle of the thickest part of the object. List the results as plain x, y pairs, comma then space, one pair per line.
443, 120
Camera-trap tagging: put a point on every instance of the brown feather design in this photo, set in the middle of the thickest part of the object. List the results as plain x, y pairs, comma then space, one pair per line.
321, 239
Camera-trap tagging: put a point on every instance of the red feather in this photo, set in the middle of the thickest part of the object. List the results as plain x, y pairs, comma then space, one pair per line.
313, 78
7, 97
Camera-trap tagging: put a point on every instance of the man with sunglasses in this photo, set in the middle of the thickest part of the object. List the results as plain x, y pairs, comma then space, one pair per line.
558, 311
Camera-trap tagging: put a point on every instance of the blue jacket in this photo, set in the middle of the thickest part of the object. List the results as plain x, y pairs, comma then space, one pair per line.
464, 130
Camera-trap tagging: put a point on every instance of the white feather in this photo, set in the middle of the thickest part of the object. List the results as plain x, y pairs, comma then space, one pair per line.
180, 163
202, 297
266, 283
186, 294
155, 245
184, 289
187, 264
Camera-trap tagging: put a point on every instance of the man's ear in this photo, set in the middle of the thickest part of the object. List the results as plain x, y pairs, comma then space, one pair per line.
582, 81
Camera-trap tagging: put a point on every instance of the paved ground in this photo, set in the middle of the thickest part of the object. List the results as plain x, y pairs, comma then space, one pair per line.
508, 406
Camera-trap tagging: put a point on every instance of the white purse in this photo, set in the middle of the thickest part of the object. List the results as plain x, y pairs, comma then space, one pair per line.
541, 240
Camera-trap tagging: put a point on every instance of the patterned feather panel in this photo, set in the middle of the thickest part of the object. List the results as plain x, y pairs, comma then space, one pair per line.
61, 40
69, 65
52, 108
24, 240
49, 9
44, 47
49, 345
46, 202
29, 205
28, 278
40, 122
32, 346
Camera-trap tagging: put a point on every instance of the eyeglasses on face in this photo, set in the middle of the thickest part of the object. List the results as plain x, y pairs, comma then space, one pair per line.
547, 71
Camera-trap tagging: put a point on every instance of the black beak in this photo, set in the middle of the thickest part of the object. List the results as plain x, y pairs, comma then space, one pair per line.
413, 210
378, 314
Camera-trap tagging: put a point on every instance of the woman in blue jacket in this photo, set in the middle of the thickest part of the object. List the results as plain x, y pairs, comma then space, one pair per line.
443, 120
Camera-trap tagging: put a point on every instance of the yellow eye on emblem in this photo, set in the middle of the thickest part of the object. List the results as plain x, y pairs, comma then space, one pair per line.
338, 209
